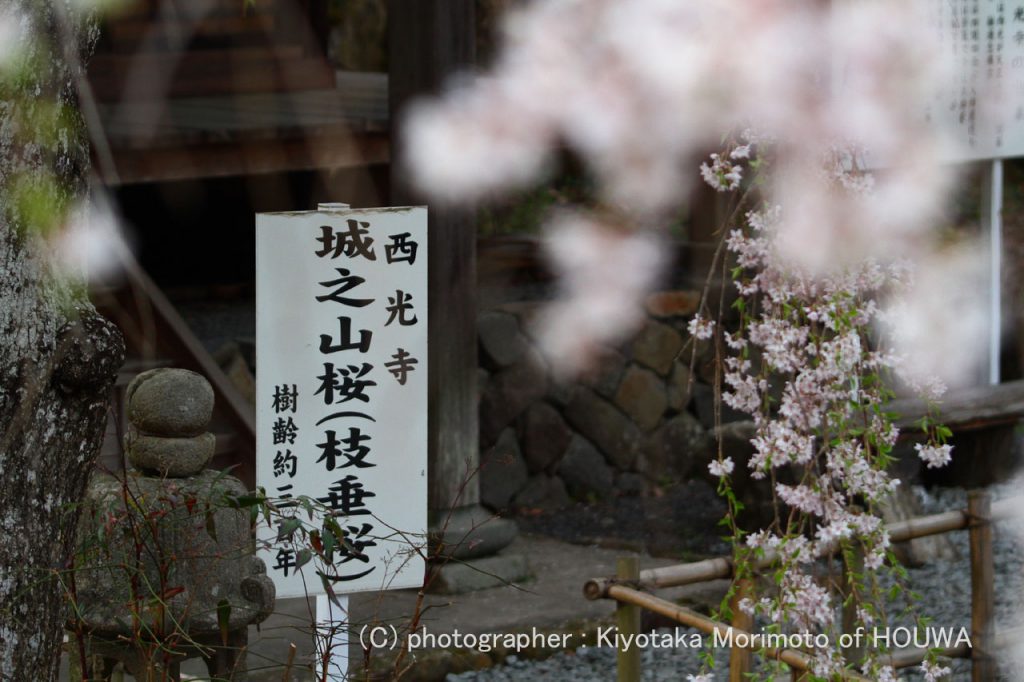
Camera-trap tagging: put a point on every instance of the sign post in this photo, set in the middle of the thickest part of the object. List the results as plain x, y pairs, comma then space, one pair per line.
991, 217
341, 418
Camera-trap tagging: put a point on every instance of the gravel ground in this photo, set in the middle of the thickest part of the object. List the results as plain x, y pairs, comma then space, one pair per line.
681, 522
944, 586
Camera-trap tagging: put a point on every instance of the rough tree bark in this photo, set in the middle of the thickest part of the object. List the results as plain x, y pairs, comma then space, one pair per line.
57, 356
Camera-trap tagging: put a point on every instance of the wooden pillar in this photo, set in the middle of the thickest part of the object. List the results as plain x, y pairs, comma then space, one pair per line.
428, 41
627, 621
979, 510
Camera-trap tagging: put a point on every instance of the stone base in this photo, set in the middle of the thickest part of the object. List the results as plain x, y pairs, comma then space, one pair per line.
479, 574
470, 532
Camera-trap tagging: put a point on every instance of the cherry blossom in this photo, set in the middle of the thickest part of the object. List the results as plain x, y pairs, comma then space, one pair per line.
721, 467
933, 671
935, 456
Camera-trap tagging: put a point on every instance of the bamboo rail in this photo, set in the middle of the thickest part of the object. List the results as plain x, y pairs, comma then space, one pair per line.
915, 655
977, 519
797, 660
722, 567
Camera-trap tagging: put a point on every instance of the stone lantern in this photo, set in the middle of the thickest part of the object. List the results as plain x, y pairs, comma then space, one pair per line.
166, 568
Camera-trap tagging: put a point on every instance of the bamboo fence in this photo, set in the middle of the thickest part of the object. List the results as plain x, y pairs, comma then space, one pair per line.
630, 589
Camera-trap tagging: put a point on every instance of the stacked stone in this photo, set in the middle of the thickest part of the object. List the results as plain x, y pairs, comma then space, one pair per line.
639, 418
169, 411
195, 541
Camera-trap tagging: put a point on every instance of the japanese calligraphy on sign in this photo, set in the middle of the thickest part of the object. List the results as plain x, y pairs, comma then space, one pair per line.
341, 324
984, 101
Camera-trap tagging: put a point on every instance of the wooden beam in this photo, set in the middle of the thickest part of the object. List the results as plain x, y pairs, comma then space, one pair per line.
968, 409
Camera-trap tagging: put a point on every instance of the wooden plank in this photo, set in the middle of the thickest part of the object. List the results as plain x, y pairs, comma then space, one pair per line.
120, 64
359, 105
133, 32
209, 75
226, 160
969, 408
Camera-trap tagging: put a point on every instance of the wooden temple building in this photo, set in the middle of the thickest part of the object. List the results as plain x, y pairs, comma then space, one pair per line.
211, 111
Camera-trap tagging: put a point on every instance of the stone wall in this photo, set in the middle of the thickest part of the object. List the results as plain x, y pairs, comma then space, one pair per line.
639, 418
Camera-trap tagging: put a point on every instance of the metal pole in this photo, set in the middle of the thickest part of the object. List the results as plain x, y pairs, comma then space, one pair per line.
992, 216
332, 635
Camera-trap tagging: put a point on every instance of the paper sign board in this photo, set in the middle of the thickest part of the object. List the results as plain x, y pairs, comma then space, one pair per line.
983, 103
341, 328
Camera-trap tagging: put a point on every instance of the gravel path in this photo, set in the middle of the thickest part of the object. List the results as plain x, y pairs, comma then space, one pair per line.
944, 586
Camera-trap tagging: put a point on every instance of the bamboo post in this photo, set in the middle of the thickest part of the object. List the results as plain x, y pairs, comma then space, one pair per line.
979, 507
853, 571
740, 660
627, 618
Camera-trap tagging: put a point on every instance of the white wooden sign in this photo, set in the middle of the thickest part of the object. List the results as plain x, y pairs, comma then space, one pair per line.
341, 327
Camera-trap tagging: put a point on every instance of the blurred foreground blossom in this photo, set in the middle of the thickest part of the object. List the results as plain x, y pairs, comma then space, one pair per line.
90, 243
641, 89
929, 342
12, 44
606, 270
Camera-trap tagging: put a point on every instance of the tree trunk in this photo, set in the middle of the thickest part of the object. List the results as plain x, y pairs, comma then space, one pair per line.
57, 356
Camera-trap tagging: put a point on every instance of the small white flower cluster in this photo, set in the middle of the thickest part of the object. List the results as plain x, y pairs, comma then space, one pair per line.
885, 673
933, 671
701, 328
722, 467
722, 174
935, 456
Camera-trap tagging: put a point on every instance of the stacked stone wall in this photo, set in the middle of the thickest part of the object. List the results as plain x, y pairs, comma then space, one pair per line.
641, 417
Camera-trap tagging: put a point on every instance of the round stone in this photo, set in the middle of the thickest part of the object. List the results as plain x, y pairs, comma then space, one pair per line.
170, 402
172, 457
